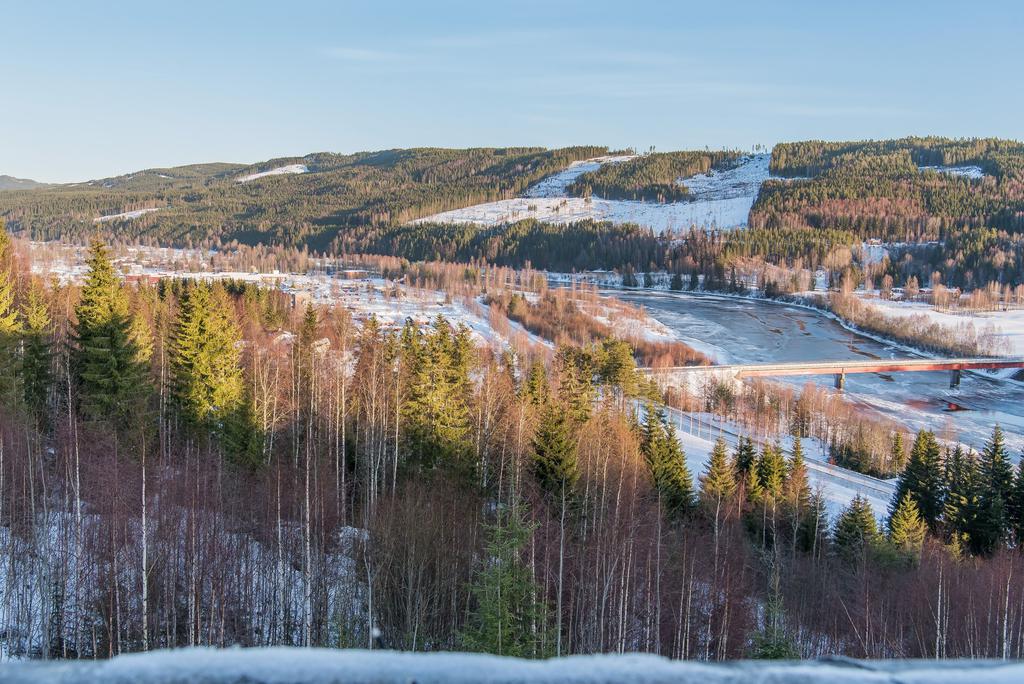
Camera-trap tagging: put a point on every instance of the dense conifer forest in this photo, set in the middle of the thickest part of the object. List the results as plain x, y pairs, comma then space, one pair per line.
339, 193
877, 189
192, 464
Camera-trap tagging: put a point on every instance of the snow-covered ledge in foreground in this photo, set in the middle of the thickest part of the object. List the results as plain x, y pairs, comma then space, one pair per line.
315, 666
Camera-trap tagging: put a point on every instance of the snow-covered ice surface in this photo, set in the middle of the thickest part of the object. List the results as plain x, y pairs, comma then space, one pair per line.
291, 168
972, 172
321, 666
124, 216
721, 199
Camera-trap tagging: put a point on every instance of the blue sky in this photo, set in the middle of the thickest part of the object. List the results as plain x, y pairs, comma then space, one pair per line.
96, 89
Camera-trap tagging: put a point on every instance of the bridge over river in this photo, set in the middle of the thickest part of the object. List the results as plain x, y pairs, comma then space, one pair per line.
839, 369
744, 333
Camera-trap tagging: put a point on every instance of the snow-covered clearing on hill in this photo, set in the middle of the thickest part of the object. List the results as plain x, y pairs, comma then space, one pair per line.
124, 216
291, 168
721, 198
322, 666
972, 172
556, 184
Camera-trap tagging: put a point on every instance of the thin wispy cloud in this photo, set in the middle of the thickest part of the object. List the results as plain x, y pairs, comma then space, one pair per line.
362, 55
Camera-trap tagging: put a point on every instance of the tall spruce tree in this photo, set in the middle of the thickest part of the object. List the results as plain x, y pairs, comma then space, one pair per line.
111, 379
718, 482
745, 456
907, 530
922, 478
575, 388
995, 486
509, 616
856, 532
554, 451
1017, 506
206, 360
667, 463
771, 471
960, 506
436, 410
898, 454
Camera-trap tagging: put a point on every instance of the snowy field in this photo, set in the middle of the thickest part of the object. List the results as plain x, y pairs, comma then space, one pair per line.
1007, 327
322, 666
721, 199
972, 172
124, 216
280, 170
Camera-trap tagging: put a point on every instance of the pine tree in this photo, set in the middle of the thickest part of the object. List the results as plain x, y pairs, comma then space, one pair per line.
112, 383
996, 485
509, 617
856, 531
922, 478
36, 360
718, 482
554, 451
907, 530
677, 281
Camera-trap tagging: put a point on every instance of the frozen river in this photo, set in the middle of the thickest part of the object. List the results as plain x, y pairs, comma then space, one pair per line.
750, 331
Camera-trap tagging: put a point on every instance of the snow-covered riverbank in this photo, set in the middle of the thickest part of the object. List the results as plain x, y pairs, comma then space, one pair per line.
283, 665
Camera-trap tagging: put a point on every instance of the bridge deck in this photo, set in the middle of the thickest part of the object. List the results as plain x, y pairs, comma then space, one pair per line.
846, 367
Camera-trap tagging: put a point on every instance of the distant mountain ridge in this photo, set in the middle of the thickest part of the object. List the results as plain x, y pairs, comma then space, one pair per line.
12, 183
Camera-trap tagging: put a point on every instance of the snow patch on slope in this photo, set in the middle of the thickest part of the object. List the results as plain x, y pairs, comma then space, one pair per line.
124, 216
972, 172
557, 184
291, 168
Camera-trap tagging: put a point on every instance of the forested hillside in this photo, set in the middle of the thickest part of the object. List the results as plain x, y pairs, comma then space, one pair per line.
878, 190
338, 193
190, 464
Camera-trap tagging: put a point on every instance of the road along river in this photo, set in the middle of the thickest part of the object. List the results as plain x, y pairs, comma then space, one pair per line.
735, 330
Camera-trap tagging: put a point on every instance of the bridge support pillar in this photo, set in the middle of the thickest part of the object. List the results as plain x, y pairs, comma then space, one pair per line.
840, 381
954, 378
